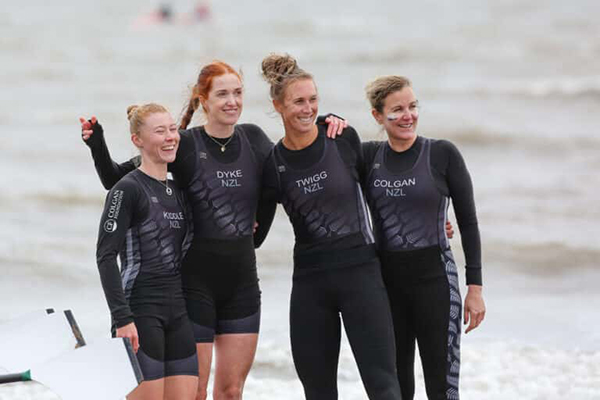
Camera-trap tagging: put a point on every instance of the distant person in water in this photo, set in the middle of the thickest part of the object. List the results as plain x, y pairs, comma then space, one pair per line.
165, 14
162, 15
202, 11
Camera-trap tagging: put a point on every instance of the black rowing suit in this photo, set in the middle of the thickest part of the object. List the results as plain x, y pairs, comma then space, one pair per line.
150, 231
336, 270
408, 195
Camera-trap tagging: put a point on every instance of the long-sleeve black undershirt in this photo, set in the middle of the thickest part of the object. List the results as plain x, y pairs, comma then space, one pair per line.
127, 201
452, 179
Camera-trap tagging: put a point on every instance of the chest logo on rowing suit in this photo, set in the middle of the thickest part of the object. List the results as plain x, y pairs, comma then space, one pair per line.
202, 155
312, 184
110, 226
174, 219
395, 188
230, 178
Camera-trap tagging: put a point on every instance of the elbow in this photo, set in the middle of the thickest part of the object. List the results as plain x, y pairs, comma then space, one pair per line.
108, 183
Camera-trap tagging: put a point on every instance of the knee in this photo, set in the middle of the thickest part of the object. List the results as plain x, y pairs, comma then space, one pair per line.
383, 386
231, 392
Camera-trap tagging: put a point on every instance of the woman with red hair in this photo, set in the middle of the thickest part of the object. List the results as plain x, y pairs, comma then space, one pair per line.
219, 164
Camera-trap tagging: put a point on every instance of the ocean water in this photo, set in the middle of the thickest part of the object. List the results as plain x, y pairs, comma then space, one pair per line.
514, 84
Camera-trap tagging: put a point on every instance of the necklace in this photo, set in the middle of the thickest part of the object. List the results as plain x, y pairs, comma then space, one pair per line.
223, 145
166, 185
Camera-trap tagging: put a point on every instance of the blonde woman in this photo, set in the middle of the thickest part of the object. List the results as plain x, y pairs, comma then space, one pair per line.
336, 269
410, 181
145, 222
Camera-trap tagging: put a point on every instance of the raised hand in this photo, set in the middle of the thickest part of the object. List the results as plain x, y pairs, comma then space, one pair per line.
87, 127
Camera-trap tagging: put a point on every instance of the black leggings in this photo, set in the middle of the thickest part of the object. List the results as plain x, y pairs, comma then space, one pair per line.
426, 308
358, 294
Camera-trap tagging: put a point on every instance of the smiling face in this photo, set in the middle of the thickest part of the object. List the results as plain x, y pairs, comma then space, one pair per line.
399, 116
299, 107
158, 138
223, 105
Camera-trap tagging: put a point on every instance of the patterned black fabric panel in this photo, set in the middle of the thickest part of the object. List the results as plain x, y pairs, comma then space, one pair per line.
224, 197
322, 201
407, 208
454, 327
154, 247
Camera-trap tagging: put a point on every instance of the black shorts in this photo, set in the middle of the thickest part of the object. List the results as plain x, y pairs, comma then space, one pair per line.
167, 346
221, 290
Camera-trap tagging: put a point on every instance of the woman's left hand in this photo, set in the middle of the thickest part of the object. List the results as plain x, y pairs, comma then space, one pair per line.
335, 126
474, 308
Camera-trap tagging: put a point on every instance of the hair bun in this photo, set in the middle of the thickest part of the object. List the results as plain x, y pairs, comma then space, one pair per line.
276, 66
131, 110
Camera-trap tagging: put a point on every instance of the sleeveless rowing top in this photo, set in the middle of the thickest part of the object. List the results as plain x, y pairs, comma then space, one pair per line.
154, 248
323, 202
224, 196
408, 210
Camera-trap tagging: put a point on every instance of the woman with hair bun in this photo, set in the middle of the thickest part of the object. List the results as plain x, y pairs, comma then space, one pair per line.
410, 181
219, 165
336, 269
145, 223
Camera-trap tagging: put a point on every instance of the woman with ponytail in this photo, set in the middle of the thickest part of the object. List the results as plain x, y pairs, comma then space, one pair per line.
220, 166
145, 223
336, 269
